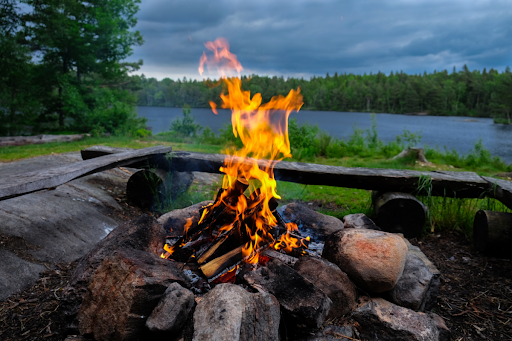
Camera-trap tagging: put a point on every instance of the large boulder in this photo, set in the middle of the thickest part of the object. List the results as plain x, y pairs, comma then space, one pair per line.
374, 260
383, 321
172, 311
230, 313
316, 225
142, 233
300, 298
332, 281
123, 292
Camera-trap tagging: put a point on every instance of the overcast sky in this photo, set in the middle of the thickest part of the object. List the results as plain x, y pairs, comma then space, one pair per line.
302, 38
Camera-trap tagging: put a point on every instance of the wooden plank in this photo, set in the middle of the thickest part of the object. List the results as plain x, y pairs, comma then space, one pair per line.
450, 184
20, 184
500, 190
160, 161
9, 141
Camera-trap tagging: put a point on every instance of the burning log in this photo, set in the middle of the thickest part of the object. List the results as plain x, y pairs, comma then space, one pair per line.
492, 233
399, 213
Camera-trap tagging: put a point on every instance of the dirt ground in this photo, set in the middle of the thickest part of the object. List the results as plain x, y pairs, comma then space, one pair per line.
475, 297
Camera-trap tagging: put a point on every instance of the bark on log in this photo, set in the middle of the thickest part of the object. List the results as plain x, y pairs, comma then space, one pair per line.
399, 213
492, 233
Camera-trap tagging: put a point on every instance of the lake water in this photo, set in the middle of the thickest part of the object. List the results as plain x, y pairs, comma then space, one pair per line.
459, 133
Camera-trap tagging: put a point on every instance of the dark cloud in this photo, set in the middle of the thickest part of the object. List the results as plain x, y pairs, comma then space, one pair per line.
312, 37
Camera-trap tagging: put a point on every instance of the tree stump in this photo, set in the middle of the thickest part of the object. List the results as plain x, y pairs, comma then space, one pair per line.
399, 213
492, 233
417, 152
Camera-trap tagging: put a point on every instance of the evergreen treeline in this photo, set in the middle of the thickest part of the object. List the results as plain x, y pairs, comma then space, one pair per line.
61, 68
462, 93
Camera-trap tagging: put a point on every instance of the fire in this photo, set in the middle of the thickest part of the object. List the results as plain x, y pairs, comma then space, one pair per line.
263, 129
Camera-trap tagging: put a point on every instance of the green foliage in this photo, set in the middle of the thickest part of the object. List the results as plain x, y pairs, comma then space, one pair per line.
473, 93
78, 82
185, 127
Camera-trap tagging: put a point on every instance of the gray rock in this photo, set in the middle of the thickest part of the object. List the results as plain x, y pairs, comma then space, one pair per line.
172, 311
229, 313
299, 297
373, 260
385, 321
444, 332
359, 221
332, 281
316, 225
413, 288
435, 282
175, 221
142, 233
330, 333
123, 292
53, 226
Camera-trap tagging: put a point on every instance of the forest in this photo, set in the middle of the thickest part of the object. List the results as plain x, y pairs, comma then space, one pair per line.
459, 93
61, 66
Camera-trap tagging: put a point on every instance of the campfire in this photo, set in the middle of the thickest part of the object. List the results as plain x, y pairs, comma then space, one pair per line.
243, 222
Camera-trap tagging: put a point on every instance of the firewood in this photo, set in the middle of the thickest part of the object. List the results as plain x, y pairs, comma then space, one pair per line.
286, 259
399, 213
492, 233
217, 265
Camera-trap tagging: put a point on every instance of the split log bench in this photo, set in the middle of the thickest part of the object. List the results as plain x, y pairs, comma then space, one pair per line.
155, 161
19, 184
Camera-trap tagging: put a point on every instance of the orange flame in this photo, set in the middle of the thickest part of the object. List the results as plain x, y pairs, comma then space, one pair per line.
263, 129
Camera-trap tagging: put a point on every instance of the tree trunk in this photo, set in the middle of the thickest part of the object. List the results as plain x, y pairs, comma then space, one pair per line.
399, 213
492, 233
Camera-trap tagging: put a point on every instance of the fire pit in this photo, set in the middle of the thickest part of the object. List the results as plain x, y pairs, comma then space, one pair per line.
239, 268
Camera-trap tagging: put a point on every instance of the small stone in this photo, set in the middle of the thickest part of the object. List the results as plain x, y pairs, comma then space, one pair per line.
172, 311
229, 313
316, 225
299, 297
373, 260
332, 281
359, 221
384, 321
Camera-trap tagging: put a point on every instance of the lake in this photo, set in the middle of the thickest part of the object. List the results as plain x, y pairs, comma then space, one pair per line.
459, 133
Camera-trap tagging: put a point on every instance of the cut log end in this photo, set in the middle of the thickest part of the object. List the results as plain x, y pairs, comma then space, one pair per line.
492, 233
399, 213
147, 187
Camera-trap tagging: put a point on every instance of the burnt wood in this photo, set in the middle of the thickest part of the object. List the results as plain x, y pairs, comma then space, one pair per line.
19, 184
492, 233
450, 184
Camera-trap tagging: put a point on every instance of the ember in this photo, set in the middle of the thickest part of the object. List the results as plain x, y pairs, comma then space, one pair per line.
243, 220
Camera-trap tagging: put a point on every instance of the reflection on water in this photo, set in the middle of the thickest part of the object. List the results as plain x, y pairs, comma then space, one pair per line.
459, 133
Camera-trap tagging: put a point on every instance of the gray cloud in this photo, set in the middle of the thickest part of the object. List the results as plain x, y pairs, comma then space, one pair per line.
311, 37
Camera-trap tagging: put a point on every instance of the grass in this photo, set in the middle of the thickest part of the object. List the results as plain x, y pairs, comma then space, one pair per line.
361, 150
